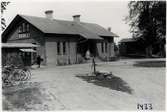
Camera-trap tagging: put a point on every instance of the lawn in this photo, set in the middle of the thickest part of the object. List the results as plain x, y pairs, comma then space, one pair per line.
150, 64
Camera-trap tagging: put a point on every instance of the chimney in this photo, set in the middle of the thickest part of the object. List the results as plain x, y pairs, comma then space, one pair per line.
49, 14
76, 18
109, 29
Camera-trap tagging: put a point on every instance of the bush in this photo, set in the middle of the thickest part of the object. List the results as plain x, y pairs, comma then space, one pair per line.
12, 59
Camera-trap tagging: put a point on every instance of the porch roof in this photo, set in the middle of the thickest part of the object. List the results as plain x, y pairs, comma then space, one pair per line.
27, 50
18, 45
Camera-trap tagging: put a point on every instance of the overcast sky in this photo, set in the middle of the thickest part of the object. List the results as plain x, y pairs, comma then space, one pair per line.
106, 13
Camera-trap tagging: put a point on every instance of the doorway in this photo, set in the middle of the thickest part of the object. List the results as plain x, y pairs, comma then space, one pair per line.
85, 45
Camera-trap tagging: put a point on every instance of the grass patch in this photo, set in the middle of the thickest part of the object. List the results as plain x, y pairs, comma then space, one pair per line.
20, 97
150, 64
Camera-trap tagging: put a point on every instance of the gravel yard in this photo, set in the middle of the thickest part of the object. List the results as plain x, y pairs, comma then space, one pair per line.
64, 88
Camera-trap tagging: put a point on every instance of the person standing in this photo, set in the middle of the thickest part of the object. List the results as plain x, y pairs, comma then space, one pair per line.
39, 61
93, 65
87, 55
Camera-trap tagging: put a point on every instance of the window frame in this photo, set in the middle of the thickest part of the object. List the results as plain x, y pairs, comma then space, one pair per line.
58, 48
106, 47
27, 28
24, 30
24, 27
102, 47
64, 47
20, 29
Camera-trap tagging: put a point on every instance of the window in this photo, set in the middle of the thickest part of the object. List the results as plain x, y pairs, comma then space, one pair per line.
20, 29
58, 48
27, 28
106, 50
64, 47
24, 30
102, 47
112, 39
24, 27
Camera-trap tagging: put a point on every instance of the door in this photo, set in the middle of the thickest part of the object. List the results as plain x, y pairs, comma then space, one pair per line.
27, 58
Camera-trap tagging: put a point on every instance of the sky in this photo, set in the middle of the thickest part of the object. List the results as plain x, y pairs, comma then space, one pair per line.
105, 13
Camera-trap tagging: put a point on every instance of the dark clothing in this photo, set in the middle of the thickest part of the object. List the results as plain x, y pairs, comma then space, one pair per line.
39, 61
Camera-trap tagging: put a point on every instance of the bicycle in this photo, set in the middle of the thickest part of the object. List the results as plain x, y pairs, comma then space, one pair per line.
6, 74
12, 74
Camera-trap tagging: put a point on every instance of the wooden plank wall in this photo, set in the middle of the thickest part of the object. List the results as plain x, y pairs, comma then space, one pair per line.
62, 59
110, 50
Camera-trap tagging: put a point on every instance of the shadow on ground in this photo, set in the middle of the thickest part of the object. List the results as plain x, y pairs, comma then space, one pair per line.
150, 64
115, 83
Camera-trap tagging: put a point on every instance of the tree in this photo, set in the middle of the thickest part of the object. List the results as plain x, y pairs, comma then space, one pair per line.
148, 22
3, 8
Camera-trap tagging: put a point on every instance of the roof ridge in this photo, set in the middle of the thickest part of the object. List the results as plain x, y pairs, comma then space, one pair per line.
43, 18
91, 30
56, 19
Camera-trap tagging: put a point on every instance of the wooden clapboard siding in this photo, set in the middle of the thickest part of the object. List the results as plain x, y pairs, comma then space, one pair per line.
36, 37
73, 52
51, 52
70, 56
53, 57
110, 49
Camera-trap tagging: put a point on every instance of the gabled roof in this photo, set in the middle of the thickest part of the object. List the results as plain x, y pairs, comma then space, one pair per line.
87, 30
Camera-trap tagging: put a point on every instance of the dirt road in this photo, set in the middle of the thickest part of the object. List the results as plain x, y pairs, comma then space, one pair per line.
60, 88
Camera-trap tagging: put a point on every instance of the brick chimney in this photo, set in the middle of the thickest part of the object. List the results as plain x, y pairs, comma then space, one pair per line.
76, 18
49, 14
109, 29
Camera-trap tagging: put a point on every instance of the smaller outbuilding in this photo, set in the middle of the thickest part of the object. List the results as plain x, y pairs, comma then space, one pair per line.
135, 47
131, 47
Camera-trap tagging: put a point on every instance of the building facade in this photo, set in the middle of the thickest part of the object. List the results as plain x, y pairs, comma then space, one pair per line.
60, 42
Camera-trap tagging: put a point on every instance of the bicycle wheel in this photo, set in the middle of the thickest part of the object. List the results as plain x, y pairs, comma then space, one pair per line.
22, 75
28, 74
16, 75
4, 79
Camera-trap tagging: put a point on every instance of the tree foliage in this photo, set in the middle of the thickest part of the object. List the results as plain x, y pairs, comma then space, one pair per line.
147, 20
3, 8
